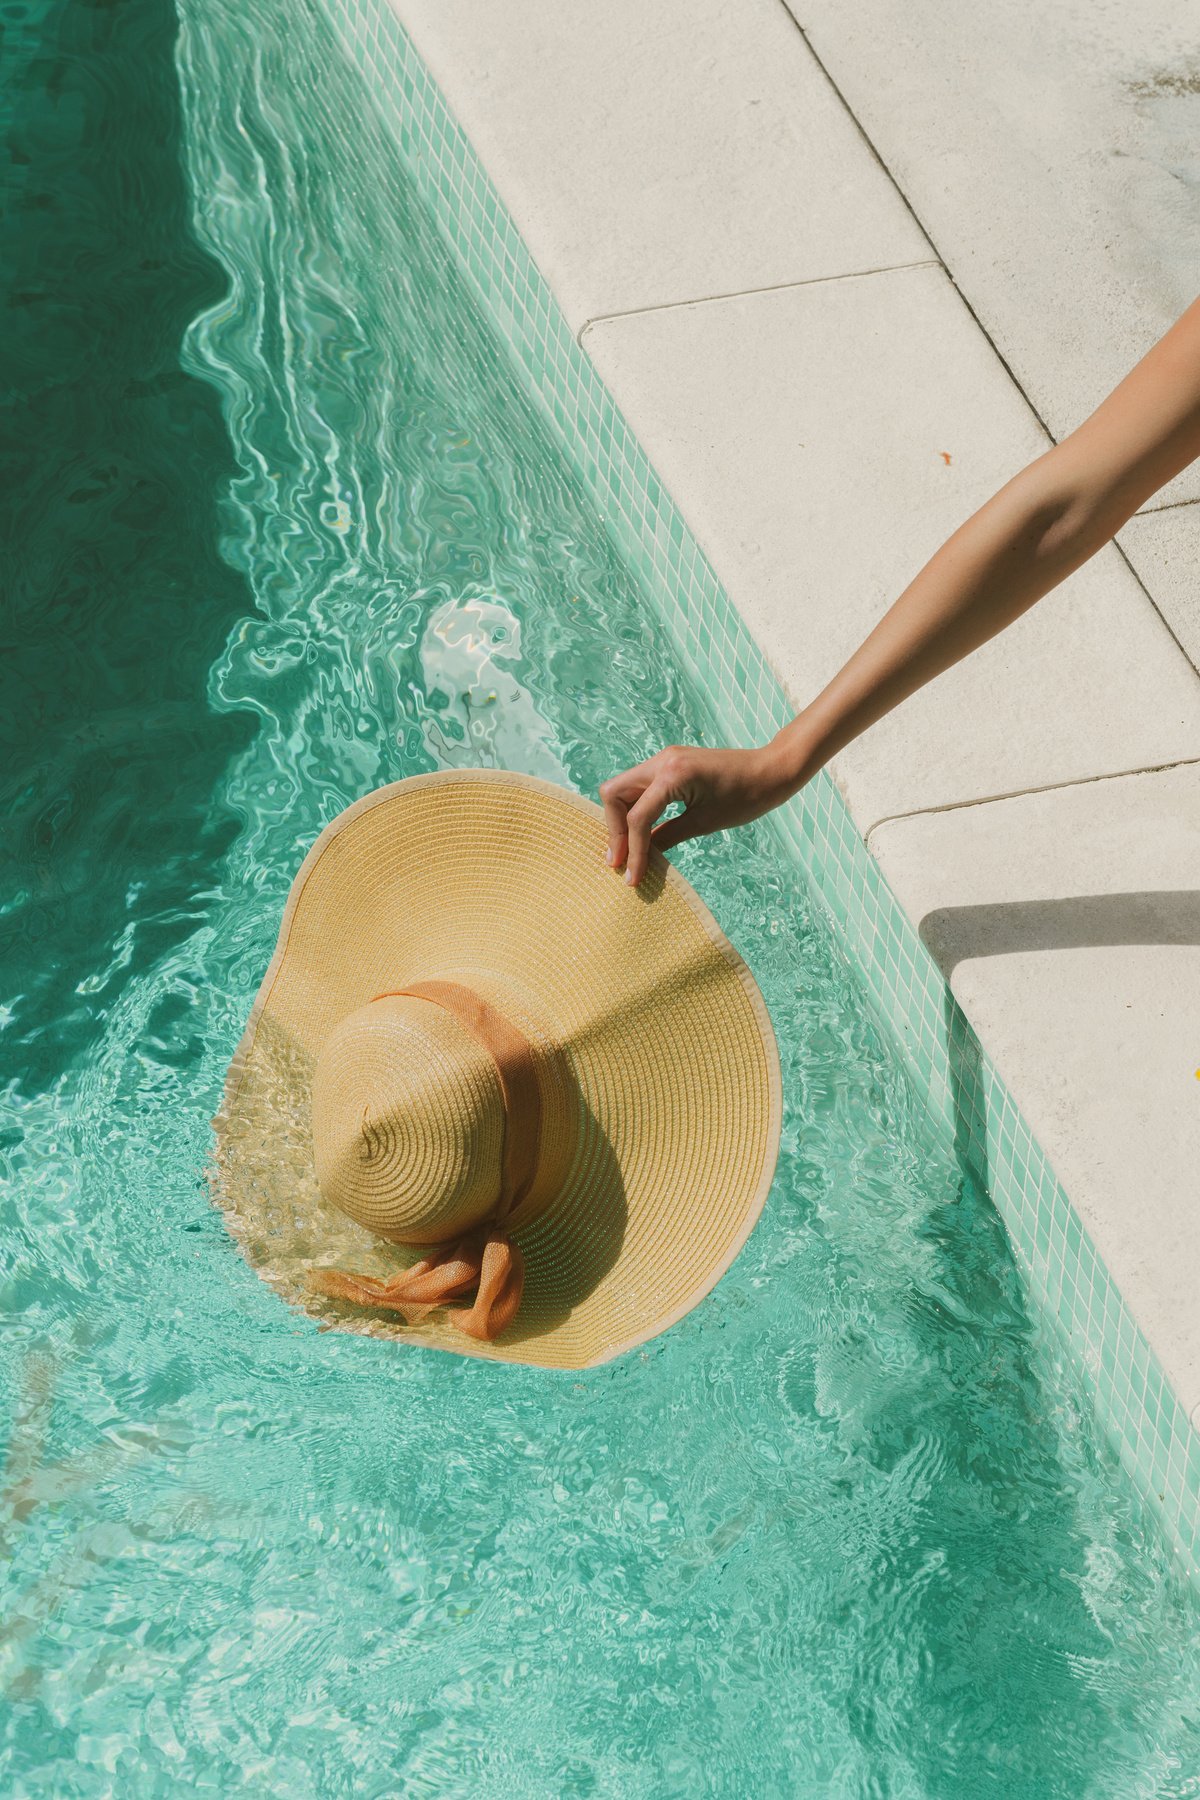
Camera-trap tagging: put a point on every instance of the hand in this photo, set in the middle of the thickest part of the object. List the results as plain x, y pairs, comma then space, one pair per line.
718, 788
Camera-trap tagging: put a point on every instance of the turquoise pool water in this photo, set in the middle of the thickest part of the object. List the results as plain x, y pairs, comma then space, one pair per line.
290, 529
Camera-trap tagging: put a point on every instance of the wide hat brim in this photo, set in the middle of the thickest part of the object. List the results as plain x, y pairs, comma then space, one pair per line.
647, 1026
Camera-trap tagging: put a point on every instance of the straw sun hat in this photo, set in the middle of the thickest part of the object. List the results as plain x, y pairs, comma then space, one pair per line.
490, 1097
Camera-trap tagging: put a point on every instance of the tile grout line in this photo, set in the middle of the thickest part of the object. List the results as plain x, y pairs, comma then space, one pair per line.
1165, 506
1051, 787
1166, 623
773, 287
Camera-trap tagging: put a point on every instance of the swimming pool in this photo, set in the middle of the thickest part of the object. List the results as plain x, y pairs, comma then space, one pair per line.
847, 1528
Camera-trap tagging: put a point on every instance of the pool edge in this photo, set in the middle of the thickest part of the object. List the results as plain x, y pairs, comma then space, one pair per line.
964, 1093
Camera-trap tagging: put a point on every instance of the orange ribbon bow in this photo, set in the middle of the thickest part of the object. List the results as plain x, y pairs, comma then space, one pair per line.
487, 1258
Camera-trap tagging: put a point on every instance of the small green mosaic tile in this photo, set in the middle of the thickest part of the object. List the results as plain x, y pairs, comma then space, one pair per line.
965, 1095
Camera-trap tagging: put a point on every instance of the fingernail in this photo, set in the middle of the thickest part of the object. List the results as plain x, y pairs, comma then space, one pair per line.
608, 854
629, 876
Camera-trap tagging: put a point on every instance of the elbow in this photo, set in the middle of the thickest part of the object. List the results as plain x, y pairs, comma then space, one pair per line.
1067, 514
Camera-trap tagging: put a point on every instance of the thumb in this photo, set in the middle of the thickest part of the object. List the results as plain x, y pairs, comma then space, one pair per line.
687, 824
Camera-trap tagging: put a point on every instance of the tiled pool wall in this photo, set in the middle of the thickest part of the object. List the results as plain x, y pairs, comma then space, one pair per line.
1067, 1280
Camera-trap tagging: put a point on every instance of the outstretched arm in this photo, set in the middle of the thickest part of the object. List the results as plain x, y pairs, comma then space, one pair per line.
1032, 534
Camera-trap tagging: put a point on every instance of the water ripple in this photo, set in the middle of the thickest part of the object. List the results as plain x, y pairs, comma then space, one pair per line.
845, 1530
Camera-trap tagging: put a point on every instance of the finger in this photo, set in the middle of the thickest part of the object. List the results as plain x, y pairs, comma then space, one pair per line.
640, 818
618, 794
615, 812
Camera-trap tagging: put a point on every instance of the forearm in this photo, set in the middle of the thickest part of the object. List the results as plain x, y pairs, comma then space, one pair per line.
1026, 539
1040, 527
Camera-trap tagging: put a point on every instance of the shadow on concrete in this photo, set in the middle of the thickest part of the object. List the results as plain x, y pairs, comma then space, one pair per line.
958, 934
955, 934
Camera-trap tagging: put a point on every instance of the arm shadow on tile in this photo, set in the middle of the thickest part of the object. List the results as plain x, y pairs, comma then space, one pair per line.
956, 934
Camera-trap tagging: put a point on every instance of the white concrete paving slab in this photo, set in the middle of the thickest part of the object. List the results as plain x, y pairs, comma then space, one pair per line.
651, 154
1164, 548
1053, 155
1068, 924
822, 441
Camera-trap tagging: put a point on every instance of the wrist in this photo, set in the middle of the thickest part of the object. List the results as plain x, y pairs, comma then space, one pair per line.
793, 756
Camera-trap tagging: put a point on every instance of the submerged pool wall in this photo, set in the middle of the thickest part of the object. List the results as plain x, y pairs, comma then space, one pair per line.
966, 1098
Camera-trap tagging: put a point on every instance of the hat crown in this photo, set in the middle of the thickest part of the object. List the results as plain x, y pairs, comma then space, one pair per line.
407, 1122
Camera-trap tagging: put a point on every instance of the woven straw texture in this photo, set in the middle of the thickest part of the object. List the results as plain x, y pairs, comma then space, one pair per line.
654, 1052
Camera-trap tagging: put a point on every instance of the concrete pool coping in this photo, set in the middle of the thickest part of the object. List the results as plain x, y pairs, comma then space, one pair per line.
823, 408
1051, 153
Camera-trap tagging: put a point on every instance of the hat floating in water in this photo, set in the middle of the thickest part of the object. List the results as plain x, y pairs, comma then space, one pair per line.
490, 1098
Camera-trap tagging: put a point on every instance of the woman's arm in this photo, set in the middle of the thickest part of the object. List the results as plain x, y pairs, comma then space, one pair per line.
1032, 534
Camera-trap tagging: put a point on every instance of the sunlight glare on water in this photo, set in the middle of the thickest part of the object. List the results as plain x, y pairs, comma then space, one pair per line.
846, 1529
